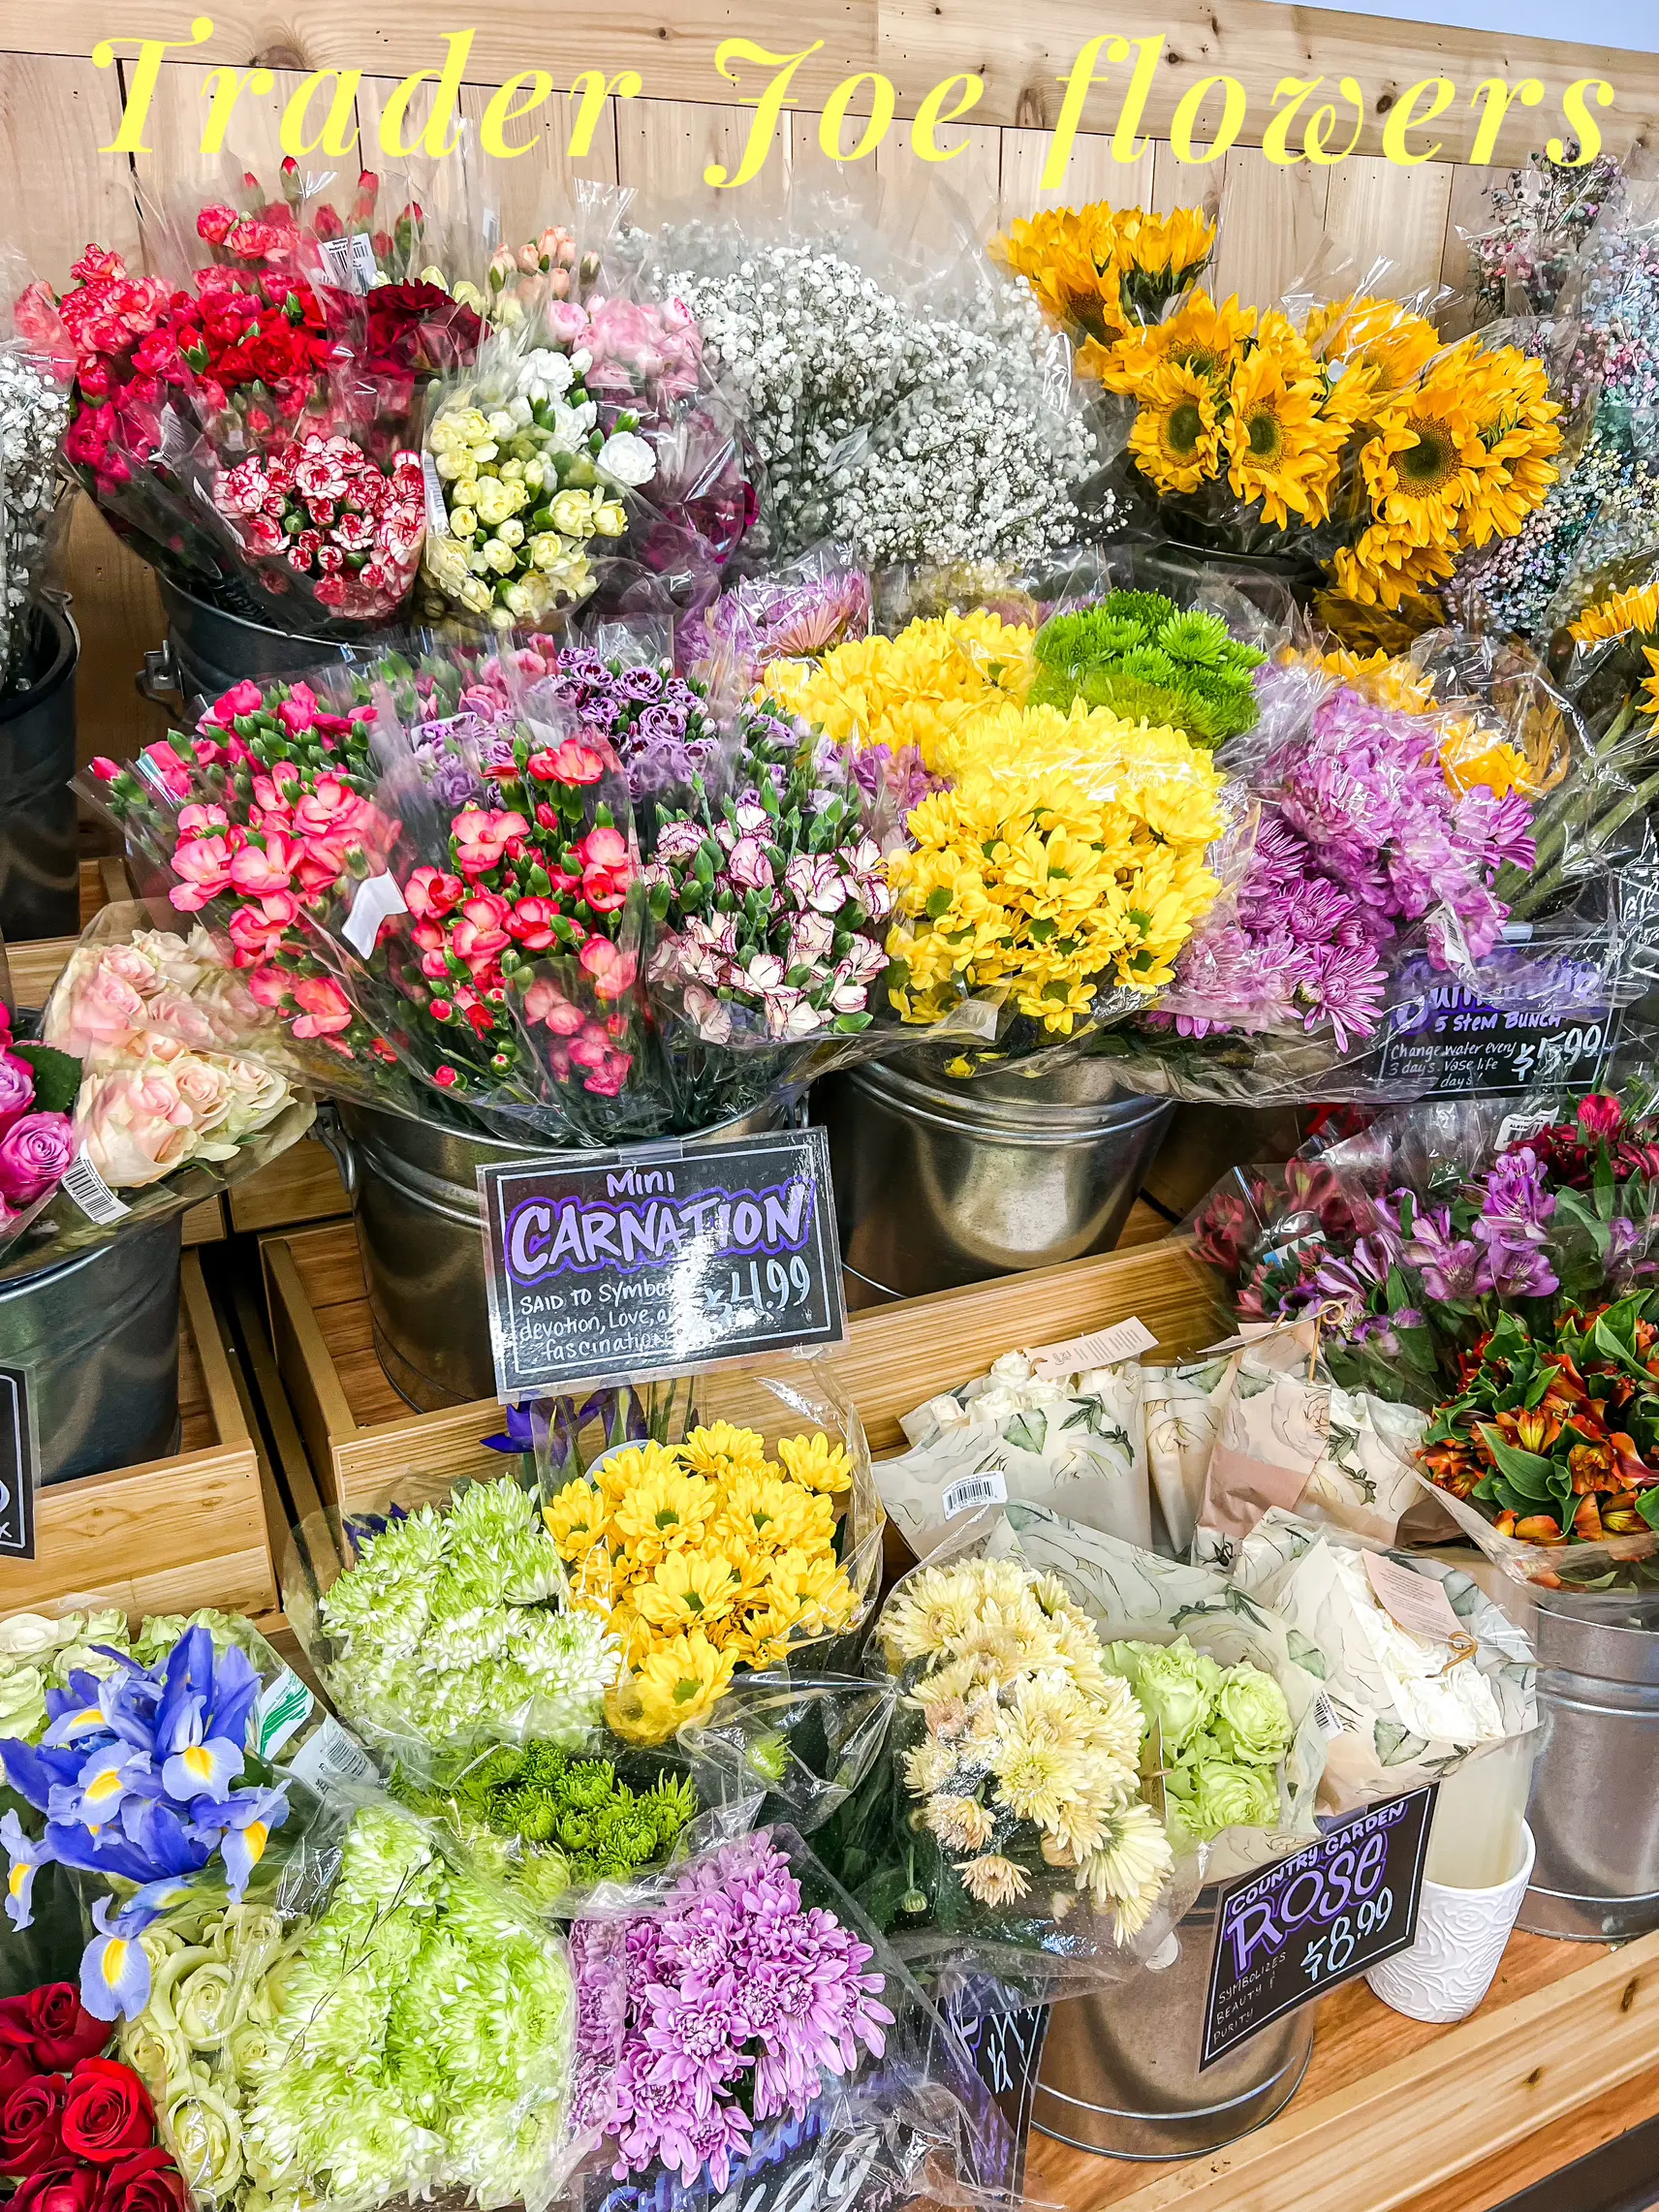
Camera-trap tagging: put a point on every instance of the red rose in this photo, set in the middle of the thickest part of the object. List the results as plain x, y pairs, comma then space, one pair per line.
148, 2182
61, 2188
107, 2113
31, 2124
53, 2026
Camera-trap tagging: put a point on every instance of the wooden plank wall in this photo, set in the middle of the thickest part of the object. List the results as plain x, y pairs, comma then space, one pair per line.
56, 109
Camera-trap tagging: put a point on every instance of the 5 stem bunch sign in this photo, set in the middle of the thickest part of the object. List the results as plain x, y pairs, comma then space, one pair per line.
1288, 1933
642, 1263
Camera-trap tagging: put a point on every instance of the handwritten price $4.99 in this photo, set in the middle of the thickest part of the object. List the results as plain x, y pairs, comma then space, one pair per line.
772, 1289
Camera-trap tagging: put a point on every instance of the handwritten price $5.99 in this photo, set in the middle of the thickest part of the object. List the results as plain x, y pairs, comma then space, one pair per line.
1330, 1952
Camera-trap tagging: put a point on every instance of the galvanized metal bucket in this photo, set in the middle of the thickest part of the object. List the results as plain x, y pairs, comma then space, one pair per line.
207, 650
1594, 1812
98, 1337
40, 875
420, 1229
940, 1182
1120, 2074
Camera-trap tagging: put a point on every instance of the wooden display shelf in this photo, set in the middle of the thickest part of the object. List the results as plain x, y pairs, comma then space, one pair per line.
1395, 2116
303, 1185
361, 1436
170, 1534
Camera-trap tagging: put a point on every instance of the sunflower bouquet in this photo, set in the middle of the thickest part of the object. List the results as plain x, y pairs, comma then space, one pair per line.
1352, 437
715, 1553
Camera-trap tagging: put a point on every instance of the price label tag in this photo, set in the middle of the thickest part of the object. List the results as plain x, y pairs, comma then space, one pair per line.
1102, 1348
643, 1263
19, 1466
375, 900
1006, 2045
988, 1487
1286, 1935
1452, 1043
350, 262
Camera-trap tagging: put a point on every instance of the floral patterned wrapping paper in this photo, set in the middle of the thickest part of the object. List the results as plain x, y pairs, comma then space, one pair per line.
1130, 1593
1341, 1458
1295, 1567
1181, 1410
1076, 1444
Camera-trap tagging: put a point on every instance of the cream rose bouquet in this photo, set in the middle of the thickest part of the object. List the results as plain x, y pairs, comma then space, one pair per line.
152, 1079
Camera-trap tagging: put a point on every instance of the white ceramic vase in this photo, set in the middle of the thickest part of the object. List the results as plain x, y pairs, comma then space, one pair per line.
1461, 1937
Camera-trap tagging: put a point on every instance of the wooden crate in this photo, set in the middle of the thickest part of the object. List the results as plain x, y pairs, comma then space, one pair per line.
170, 1534
361, 1436
303, 1185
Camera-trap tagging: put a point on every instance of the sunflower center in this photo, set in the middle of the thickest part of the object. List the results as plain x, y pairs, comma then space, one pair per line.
1267, 435
1432, 462
1202, 360
1184, 428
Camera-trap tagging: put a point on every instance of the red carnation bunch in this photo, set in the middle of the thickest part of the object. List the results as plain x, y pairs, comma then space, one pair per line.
77, 2129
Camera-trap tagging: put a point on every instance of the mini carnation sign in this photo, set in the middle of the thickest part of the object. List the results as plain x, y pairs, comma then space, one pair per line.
1288, 1933
647, 1262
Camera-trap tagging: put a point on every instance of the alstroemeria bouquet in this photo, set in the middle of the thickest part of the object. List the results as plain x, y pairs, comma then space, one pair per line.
152, 1058
146, 1776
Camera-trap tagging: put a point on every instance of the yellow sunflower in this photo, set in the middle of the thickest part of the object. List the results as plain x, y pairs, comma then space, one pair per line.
1069, 257
1637, 608
1422, 466
1199, 336
1176, 245
1175, 438
1389, 566
1380, 335
1650, 682
1281, 451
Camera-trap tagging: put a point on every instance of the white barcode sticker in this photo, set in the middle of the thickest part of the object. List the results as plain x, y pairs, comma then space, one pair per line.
351, 261
1330, 1721
1517, 1128
972, 1491
91, 1192
281, 1707
437, 505
329, 1756
1101, 1348
375, 897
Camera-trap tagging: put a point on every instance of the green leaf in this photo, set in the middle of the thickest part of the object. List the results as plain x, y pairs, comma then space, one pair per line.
1307, 1654
1647, 1506
1531, 1474
1028, 1431
57, 1077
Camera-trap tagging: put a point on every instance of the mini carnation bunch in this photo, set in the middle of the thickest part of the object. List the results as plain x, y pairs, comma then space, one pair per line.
526, 485
774, 905
448, 1626
658, 722
704, 1556
324, 515
1021, 1747
965, 455
737, 2001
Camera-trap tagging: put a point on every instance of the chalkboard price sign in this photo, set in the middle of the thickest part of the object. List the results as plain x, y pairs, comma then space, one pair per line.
636, 1264
1296, 1930
18, 1466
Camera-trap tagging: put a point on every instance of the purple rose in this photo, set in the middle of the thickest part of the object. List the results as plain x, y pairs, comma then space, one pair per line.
33, 1153
16, 1089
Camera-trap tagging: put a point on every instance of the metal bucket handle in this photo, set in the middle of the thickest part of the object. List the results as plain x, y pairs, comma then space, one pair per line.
332, 1131
158, 680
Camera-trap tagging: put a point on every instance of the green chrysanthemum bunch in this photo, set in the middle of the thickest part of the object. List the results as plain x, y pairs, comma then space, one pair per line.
551, 1822
1141, 655
452, 1626
422, 2038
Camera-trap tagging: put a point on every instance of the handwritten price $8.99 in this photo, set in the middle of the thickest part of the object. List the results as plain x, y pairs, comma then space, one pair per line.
1330, 1952
771, 1291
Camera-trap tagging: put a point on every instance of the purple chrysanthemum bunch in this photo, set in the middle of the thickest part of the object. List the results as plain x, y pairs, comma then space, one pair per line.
738, 2002
1361, 837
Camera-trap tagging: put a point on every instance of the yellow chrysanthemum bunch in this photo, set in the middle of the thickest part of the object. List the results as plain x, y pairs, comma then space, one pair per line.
1095, 270
706, 1556
1067, 853
912, 689
1630, 613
